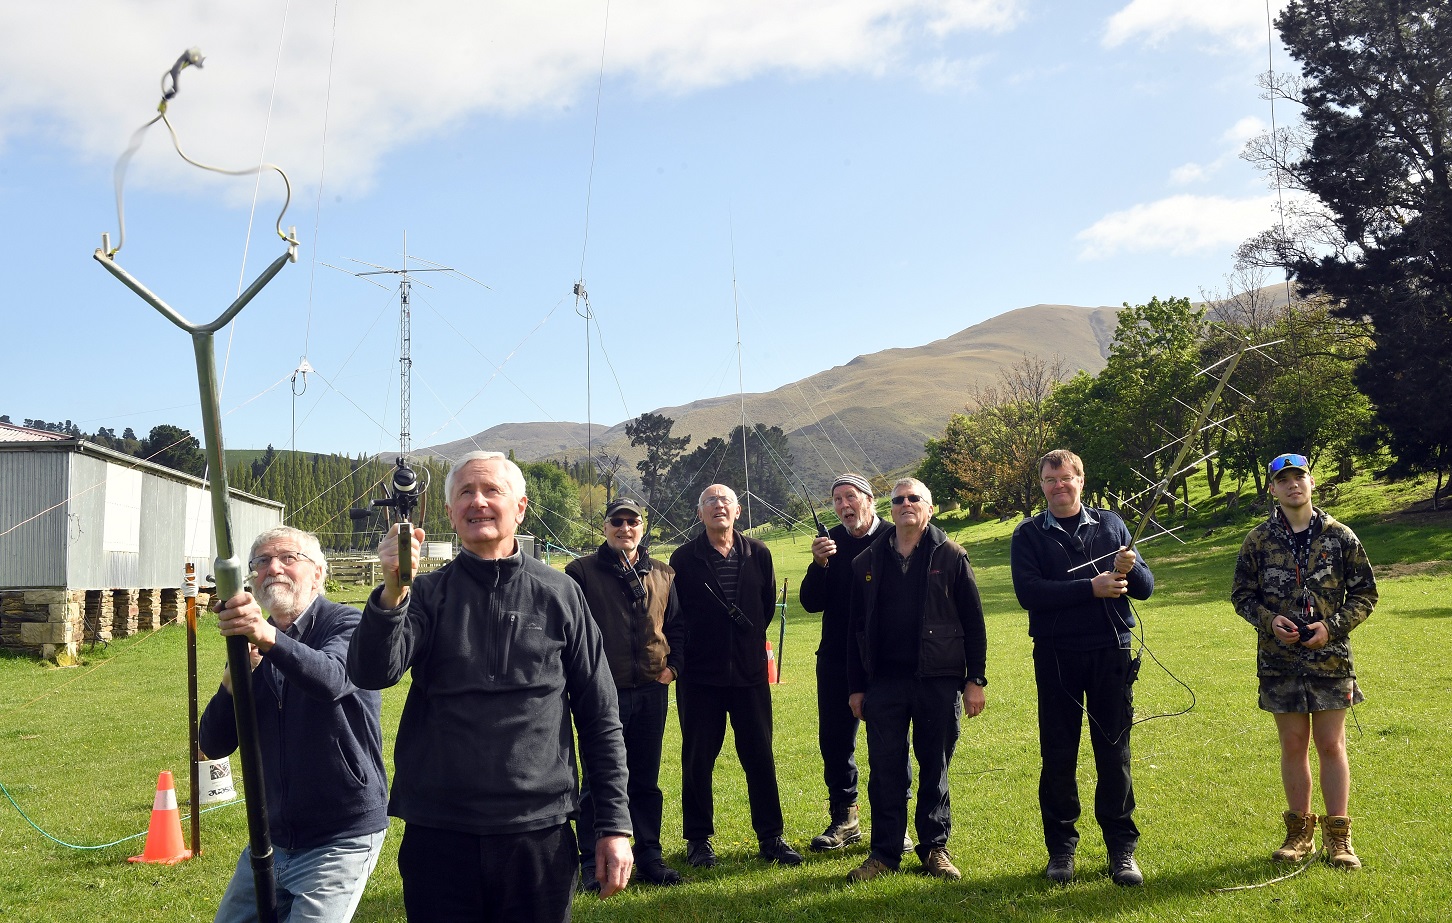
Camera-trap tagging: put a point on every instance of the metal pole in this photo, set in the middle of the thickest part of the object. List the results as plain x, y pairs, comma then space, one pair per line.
227, 568
196, 777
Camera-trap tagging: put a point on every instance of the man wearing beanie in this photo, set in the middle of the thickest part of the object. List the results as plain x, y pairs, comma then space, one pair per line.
827, 588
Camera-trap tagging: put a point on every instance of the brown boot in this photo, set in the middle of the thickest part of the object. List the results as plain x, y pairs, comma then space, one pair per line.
1336, 843
844, 830
1300, 837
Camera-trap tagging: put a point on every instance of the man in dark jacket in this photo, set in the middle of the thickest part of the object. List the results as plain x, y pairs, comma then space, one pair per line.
827, 588
727, 589
322, 750
1073, 571
632, 598
920, 642
507, 667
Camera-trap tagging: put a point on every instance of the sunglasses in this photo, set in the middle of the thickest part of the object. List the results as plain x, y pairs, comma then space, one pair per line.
1291, 460
906, 498
618, 521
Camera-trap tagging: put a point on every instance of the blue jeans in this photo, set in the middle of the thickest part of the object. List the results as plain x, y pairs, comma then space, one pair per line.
322, 884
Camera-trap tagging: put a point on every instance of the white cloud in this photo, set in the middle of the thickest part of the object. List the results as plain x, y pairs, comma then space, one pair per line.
1189, 173
1238, 23
1235, 137
403, 72
1179, 225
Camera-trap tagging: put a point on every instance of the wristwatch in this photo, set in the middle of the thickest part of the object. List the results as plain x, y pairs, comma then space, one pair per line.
979, 681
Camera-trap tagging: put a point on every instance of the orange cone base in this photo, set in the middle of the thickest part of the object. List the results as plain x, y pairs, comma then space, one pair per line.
164, 843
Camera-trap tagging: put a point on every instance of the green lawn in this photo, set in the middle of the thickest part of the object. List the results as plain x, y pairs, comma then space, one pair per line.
80, 749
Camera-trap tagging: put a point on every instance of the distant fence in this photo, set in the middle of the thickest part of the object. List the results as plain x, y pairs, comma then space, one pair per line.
364, 569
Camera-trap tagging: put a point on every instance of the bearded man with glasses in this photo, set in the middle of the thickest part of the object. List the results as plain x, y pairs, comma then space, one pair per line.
322, 748
918, 643
632, 597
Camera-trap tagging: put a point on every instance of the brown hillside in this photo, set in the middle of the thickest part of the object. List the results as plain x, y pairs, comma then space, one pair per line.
872, 414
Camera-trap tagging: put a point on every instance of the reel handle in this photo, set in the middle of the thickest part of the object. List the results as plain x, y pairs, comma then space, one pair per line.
407, 566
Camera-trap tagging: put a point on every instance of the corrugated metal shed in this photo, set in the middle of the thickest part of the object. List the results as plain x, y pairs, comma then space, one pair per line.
75, 515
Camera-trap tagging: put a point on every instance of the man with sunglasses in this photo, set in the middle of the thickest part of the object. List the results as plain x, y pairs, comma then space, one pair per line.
322, 749
1074, 572
727, 589
920, 642
632, 598
1304, 581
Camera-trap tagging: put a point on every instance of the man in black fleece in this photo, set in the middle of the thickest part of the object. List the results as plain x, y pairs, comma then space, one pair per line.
632, 598
727, 590
920, 642
322, 748
827, 588
1080, 621
504, 654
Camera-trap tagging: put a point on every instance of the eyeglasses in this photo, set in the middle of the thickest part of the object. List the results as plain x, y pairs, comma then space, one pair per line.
287, 559
906, 498
1290, 460
618, 521
1064, 479
718, 501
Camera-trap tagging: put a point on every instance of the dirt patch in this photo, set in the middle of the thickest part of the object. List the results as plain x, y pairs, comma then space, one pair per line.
1414, 569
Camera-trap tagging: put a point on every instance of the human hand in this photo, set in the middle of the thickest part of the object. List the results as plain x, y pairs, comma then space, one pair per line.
854, 702
975, 699
394, 590
242, 616
823, 548
613, 861
1110, 585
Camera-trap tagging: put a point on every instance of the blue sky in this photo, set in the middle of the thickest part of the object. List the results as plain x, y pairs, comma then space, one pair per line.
880, 174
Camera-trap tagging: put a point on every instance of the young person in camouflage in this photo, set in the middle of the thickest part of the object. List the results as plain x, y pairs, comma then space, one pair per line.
1303, 580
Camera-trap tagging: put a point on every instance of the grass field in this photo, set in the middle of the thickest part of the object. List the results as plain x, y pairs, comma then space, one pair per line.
80, 749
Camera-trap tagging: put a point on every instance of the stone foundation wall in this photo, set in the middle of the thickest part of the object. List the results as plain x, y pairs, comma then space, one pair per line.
47, 622
55, 623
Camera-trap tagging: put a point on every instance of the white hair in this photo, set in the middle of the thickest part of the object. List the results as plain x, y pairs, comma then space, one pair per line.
512, 474
917, 487
307, 543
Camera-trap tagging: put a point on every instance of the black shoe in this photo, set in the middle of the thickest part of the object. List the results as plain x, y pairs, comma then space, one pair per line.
776, 850
1061, 868
1125, 871
657, 872
700, 854
589, 884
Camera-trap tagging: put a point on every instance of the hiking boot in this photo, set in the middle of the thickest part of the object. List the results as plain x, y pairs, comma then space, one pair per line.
657, 872
1124, 871
700, 854
940, 865
776, 850
1336, 843
868, 870
843, 831
1061, 868
1300, 837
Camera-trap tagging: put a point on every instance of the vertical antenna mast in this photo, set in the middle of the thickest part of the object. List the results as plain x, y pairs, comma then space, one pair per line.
740, 385
405, 358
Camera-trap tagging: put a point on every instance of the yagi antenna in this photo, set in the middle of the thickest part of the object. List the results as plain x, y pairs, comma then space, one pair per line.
1179, 466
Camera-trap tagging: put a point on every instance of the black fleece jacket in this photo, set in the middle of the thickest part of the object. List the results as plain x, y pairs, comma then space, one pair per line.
503, 653
719, 652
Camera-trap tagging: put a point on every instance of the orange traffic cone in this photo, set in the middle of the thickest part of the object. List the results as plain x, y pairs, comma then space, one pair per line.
164, 842
770, 664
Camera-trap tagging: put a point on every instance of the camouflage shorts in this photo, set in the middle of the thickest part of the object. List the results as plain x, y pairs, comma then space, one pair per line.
1300, 695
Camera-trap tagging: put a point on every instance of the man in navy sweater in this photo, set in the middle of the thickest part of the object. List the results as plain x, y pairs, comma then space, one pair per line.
1072, 570
322, 750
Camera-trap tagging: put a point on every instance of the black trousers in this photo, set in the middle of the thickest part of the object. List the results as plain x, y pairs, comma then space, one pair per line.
836, 733
1072, 683
450, 876
643, 716
703, 711
929, 712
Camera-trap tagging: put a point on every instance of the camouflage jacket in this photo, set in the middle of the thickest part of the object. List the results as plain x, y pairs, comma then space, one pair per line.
1339, 581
